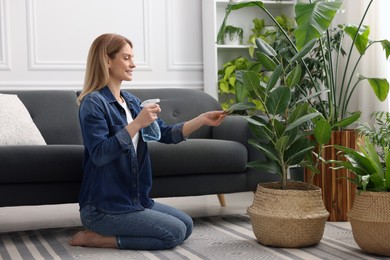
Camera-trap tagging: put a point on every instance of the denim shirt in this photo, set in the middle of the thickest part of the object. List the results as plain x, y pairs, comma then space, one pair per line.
116, 177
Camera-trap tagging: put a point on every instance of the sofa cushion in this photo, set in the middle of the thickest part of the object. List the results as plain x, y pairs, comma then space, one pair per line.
197, 156
41, 164
54, 112
17, 127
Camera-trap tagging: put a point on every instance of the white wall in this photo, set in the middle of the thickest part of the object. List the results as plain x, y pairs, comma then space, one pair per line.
44, 43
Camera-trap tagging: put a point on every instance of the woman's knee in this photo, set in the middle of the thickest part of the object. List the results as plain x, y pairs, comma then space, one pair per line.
176, 234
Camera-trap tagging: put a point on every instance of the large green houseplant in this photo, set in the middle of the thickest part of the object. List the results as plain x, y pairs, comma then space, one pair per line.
314, 33
318, 80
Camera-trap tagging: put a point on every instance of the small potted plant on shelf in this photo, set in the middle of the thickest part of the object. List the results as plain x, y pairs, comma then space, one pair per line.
370, 165
322, 83
233, 35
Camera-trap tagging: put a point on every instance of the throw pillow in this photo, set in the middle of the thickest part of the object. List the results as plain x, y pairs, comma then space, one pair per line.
16, 124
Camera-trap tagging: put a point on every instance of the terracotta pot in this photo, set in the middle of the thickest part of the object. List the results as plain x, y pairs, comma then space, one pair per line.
370, 221
294, 217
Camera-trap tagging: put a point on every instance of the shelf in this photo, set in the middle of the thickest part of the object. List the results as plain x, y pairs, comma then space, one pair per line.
285, 2
215, 55
226, 46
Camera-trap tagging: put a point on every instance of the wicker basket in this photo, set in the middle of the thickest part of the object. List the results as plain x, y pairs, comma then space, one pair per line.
370, 221
294, 217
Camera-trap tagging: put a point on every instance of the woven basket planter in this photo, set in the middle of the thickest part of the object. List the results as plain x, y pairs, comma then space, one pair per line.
370, 221
294, 217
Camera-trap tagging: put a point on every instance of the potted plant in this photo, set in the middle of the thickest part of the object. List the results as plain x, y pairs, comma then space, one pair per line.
370, 214
322, 83
283, 214
233, 35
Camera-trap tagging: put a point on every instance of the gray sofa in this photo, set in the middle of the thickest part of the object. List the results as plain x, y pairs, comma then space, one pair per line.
211, 161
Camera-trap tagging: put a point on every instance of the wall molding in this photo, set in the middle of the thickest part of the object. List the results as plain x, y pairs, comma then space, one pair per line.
5, 60
146, 65
172, 64
77, 85
35, 64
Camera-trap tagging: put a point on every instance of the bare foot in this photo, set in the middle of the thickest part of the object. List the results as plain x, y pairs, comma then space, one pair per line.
91, 239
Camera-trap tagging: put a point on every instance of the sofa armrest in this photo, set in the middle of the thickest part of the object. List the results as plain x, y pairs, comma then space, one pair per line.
41, 163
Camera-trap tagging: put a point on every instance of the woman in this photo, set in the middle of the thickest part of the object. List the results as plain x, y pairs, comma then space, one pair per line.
115, 207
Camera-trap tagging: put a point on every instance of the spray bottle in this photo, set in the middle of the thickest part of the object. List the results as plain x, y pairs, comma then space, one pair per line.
151, 132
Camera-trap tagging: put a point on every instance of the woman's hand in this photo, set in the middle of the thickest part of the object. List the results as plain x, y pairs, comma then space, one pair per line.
148, 114
212, 118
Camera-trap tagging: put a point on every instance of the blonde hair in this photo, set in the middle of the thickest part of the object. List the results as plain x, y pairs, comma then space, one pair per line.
97, 73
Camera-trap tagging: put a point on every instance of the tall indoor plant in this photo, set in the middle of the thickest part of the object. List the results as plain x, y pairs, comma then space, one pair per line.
321, 82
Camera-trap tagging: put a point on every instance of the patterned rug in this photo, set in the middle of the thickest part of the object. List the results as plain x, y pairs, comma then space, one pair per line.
220, 237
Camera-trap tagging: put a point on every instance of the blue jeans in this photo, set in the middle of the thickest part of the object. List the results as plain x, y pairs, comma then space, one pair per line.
160, 227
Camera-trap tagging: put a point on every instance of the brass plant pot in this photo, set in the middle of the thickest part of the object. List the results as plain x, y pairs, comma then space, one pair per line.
370, 221
294, 217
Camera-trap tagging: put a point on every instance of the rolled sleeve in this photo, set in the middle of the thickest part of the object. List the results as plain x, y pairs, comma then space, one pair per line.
177, 133
124, 138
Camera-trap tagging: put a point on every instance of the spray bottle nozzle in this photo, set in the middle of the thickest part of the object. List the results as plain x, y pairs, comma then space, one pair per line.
150, 101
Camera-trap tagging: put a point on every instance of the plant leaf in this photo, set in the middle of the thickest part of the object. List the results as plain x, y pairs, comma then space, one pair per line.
224, 87
348, 120
369, 151
386, 47
302, 120
294, 77
278, 100
250, 80
305, 50
380, 87
241, 106
281, 144
229, 70
362, 165
264, 166
260, 128
266, 61
362, 40
347, 165
322, 132
264, 47
313, 19
268, 150
274, 77
300, 110
297, 151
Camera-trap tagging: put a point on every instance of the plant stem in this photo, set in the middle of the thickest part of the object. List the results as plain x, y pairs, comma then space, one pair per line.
344, 93
348, 93
329, 78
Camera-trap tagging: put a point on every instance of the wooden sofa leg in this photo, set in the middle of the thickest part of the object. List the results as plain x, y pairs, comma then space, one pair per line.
221, 198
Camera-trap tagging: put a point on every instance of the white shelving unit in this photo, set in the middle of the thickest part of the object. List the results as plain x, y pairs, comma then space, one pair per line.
215, 55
